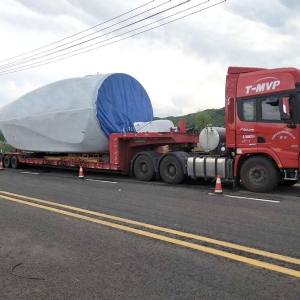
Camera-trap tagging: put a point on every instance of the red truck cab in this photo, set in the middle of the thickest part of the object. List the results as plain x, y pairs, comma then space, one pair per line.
262, 125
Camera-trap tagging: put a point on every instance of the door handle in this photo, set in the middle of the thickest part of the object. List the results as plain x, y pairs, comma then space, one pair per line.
261, 139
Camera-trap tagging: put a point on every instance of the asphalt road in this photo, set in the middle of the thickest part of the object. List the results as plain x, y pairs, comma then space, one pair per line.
66, 238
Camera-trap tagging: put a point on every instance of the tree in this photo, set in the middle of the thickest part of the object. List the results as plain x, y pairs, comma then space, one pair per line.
2, 138
4, 147
202, 119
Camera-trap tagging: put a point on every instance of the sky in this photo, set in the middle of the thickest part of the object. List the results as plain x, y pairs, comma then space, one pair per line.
182, 65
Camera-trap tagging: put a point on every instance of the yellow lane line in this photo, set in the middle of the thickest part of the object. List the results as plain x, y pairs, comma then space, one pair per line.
167, 230
231, 256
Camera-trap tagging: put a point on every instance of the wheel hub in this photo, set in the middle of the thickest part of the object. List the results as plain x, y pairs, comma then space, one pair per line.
144, 167
257, 174
171, 170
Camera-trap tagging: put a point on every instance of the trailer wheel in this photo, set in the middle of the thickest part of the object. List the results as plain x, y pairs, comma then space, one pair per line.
6, 161
260, 174
143, 168
14, 162
171, 170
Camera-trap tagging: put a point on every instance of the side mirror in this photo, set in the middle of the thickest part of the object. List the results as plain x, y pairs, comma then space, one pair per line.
284, 108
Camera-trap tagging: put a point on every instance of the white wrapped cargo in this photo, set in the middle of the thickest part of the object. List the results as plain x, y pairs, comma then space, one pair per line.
154, 126
76, 115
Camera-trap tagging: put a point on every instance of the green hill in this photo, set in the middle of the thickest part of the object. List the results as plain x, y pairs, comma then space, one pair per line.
217, 118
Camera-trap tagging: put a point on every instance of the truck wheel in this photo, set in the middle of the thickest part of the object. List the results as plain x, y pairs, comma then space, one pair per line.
143, 168
6, 162
14, 162
171, 170
259, 174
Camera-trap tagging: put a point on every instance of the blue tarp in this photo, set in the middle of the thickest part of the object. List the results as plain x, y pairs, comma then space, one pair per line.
121, 101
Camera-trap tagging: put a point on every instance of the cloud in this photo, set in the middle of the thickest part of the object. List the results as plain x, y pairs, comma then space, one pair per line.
44, 7
290, 3
162, 111
269, 12
182, 65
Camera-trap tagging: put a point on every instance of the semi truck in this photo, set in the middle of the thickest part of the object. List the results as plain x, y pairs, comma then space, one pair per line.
258, 146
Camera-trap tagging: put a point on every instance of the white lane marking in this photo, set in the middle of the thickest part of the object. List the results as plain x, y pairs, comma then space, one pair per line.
248, 198
31, 173
255, 199
105, 181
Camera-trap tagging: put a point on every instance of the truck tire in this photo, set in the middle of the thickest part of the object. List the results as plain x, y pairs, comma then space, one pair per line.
6, 161
14, 162
143, 168
171, 170
260, 174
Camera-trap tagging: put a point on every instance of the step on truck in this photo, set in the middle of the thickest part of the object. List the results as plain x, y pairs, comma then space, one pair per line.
258, 146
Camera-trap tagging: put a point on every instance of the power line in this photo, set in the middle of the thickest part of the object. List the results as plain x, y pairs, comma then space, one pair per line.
100, 36
78, 44
55, 60
78, 32
36, 57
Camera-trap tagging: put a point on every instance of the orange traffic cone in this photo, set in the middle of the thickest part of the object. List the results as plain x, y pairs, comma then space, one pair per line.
81, 175
1, 165
218, 188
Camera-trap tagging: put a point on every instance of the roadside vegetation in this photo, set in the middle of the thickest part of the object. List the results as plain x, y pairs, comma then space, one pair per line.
198, 120
4, 147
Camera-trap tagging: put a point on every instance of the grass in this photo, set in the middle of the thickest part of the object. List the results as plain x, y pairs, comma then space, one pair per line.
6, 148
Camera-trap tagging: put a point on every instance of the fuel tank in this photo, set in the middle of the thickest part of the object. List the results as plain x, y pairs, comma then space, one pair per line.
211, 137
